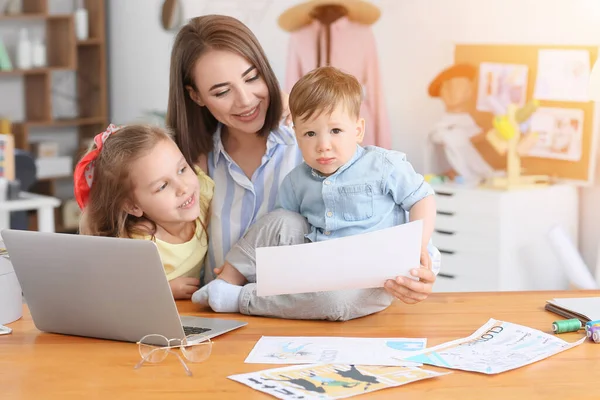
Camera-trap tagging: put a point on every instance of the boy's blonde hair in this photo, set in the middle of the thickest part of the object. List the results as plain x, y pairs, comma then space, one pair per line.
322, 90
112, 188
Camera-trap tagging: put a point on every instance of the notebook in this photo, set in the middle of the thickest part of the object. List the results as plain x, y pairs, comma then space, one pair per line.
583, 308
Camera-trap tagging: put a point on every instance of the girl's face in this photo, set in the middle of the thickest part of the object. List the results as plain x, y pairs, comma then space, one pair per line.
232, 89
165, 187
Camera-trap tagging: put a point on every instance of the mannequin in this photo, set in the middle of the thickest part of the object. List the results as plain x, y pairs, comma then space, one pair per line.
456, 129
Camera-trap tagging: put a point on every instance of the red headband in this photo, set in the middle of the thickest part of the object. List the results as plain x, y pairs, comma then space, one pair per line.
84, 170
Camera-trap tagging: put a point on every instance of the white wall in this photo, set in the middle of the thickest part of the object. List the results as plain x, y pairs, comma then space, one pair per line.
415, 40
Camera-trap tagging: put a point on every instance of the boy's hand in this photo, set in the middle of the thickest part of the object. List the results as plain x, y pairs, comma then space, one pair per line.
411, 291
183, 287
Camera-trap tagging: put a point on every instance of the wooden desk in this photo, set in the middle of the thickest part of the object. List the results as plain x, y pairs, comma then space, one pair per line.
39, 365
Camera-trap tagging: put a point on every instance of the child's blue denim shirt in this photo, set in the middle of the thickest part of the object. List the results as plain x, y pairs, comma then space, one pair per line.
372, 191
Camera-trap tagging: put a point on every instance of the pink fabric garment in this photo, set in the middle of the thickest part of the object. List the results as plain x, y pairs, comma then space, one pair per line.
353, 51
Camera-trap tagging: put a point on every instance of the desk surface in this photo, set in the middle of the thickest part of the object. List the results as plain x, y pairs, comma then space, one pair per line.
42, 365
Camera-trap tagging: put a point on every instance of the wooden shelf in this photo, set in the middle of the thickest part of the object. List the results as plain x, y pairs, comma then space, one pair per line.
90, 42
23, 17
57, 123
33, 16
34, 71
87, 60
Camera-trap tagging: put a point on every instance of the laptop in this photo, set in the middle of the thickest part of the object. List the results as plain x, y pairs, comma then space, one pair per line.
100, 287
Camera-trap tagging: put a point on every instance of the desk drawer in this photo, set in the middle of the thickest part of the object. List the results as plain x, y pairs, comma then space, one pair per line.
486, 225
469, 243
468, 203
465, 265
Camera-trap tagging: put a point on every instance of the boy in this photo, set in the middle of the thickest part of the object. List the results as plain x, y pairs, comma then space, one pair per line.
341, 189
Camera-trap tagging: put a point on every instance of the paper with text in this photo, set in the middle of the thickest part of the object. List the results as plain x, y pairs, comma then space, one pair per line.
330, 381
496, 347
335, 350
354, 262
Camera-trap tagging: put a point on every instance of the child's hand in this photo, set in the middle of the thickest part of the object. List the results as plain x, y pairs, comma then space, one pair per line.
183, 287
411, 291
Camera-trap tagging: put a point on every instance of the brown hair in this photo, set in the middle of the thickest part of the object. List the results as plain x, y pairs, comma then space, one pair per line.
105, 214
322, 90
193, 125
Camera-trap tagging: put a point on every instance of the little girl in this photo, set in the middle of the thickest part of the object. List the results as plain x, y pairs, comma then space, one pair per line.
135, 183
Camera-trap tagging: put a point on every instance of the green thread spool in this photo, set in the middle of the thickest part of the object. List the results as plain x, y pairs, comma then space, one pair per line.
568, 325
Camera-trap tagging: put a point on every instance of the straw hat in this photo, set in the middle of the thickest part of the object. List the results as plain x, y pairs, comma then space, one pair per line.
298, 16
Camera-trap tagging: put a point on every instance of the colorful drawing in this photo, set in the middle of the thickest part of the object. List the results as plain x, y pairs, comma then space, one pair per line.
496, 347
330, 381
287, 352
334, 350
563, 75
501, 85
560, 132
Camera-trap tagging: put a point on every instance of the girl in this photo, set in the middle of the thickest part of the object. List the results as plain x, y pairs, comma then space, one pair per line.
134, 182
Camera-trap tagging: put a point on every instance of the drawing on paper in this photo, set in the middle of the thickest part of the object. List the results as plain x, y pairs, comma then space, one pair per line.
501, 85
334, 350
563, 75
330, 381
560, 133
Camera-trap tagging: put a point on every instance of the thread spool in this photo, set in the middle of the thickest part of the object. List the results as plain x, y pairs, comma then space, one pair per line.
589, 325
594, 333
568, 325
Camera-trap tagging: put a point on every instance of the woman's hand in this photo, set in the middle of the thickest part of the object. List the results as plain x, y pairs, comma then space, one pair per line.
411, 291
286, 116
183, 287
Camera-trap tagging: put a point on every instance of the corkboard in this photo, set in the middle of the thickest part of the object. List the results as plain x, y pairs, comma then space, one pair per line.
577, 171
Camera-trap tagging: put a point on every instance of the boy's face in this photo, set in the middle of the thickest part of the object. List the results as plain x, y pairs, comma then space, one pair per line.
329, 141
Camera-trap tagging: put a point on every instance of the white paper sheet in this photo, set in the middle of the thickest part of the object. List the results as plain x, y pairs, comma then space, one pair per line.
360, 261
496, 347
328, 381
563, 75
501, 85
335, 350
560, 133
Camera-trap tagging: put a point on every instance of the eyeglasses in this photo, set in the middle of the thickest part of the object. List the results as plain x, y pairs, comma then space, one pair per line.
155, 348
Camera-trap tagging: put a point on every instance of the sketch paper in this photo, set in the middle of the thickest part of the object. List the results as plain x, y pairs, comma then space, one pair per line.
560, 133
330, 381
334, 350
563, 75
496, 347
501, 85
353, 262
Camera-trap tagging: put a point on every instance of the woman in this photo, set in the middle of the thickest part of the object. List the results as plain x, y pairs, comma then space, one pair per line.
225, 108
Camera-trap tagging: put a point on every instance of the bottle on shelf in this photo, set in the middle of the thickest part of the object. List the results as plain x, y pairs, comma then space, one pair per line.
38, 53
81, 21
24, 50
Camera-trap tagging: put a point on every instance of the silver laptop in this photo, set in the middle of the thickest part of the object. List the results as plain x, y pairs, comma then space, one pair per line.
100, 287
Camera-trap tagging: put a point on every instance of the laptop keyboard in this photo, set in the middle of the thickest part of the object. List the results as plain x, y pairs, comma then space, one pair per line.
194, 330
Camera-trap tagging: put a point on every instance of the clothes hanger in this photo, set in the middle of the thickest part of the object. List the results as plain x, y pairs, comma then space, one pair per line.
327, 14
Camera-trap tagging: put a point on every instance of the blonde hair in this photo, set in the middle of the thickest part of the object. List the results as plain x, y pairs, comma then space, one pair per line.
322, 90
105, 214
193, 125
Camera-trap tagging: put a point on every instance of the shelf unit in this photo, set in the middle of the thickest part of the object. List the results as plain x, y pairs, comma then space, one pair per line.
86, 58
